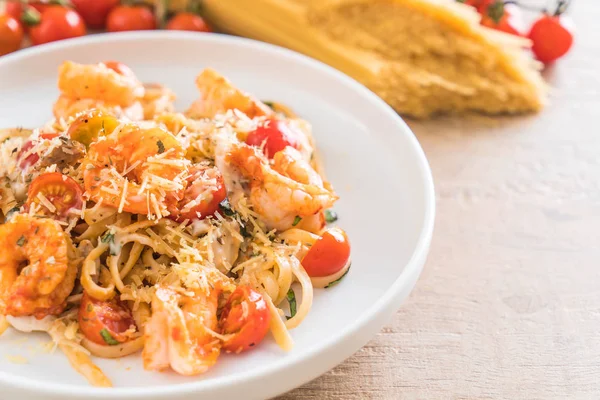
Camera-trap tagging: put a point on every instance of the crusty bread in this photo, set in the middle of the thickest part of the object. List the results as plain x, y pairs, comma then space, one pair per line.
424, 57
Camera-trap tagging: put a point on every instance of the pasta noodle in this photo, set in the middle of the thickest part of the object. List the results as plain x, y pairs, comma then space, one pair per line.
178, 236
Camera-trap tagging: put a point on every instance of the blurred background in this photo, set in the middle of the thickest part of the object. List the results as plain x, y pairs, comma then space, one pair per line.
424, 57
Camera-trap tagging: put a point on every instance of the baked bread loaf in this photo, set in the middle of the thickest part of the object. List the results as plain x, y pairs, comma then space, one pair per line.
423, 57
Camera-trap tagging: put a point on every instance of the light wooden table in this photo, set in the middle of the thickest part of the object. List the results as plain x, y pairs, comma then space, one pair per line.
508, 306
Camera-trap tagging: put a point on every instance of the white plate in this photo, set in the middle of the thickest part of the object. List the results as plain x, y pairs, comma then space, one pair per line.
374, 161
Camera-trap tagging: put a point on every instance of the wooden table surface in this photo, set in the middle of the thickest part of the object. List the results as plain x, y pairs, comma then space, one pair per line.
508, 305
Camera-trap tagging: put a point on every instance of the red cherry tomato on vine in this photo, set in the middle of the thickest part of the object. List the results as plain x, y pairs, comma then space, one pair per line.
552, 37
11, 34
130, 18
94, 12
186, 21
503, 17
14, 9
57, 23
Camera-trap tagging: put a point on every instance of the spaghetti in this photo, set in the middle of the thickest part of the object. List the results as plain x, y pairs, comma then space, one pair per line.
175, 235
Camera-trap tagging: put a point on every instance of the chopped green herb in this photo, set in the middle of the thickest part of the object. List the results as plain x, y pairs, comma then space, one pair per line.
37, 228
338, 279
110, 160
296, 220
270, 104
244, 231
89, 308
291, 298
330, 216
11, 212
103, 130
21, 241
108, 238
108, 339
161, 147
226, 208
96, 178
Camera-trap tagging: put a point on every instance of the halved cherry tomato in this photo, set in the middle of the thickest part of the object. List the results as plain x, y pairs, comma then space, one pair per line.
11, 34
130, 18
200, 178
119, 68
94, 12
14, 9
187, 21
87, 127
62, 191
328, 255
57, 23
552, 37
26, 161
276, 135
105, 322
246, 316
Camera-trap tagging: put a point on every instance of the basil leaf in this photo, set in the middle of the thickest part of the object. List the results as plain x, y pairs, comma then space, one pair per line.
226, 208
161, 147
330, 216
296, 220
291, 298
107, 337
21, 241
108, 238
338, 279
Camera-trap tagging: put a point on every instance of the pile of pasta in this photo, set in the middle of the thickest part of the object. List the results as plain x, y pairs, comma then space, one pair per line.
130, 227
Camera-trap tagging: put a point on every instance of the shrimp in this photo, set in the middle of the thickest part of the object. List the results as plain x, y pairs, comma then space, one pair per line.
157, 100
136, 170
67, 107
97, 86
218, 95
178, 335
36, 269
287, 190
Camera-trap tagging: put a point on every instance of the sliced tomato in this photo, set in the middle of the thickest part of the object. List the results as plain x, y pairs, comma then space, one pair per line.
27, 160
105, 322
275, 135
328, 255
87, 127
246, 317
206, 182
62, 191
120, 68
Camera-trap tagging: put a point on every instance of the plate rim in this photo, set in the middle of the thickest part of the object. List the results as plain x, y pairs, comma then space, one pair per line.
400, 288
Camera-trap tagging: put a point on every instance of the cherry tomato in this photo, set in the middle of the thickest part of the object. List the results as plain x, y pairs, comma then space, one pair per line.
87, 127
186, 21
503, 17
26, 161
57, 23
552, 37
246, 316
328, 255
14, 9
199, 180
275, 134
120, 68
62, 191
105, 322
130, 18
11, 34
94, 12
